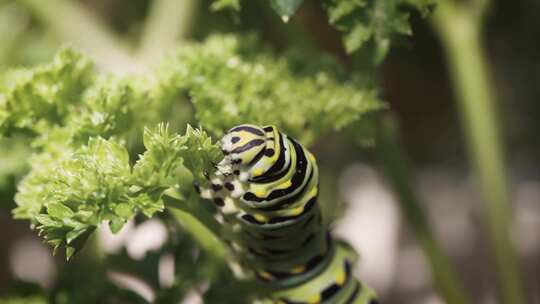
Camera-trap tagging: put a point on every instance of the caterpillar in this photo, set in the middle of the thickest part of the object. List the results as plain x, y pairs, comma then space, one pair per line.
266, 190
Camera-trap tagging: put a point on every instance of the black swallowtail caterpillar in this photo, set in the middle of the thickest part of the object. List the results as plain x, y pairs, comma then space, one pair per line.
266, 189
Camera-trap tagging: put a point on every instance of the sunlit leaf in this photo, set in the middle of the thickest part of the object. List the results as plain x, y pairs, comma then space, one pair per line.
285, 8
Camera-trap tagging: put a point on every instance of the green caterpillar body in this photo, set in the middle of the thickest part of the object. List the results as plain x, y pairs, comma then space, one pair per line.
266, 189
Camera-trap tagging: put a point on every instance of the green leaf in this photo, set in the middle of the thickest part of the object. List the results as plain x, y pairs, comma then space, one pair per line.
46, 220
344, 8
148, 204
116, 224
124, 210
74, 234
356, 38
285, 8
70, 251
377, 22
59, 211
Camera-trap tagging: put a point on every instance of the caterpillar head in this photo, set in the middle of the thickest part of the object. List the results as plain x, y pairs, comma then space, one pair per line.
243, 143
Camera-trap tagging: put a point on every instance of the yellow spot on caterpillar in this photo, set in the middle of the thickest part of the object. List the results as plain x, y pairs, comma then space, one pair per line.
286, 184
313, 191
260, 193
297, 211
298, 269
314, 299
311, 157
266, 275
257, 172
261, 218
340, 278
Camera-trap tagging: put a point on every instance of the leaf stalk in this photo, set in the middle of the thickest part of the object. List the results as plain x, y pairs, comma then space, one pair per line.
460, 30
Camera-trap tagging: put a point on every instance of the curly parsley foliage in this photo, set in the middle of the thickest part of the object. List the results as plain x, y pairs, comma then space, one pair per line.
166, 153
79, 122
365, 23
70, 94
373, 21
34, 100
69, 197
230, 84
63, 104
106, 110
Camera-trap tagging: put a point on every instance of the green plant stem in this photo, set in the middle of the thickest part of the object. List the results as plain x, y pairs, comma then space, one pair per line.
199, 223
12, 24
397, 172
460, 30
92, 252
71, 22
168, 23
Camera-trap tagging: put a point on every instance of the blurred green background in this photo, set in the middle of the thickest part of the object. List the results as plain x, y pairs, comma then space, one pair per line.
413, 79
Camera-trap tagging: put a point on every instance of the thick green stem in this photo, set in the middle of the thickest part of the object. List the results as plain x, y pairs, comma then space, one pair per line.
70, 21
168, 23
199, 223
459, 28
12, 24
396, 170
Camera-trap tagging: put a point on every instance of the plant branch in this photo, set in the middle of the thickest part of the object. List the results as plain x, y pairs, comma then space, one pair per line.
460, 32
198, 223
168, 23
70, 21
12, 24
397, 172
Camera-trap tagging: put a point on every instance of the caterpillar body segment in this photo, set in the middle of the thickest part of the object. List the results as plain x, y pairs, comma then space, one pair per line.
266, 190
336, 284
